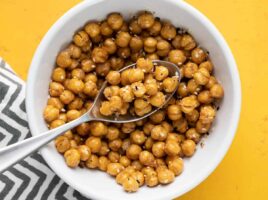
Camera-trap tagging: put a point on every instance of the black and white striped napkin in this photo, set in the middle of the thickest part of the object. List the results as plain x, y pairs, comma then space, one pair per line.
31, 178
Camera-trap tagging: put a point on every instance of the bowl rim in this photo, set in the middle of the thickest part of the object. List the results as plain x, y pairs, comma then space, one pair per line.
234, 73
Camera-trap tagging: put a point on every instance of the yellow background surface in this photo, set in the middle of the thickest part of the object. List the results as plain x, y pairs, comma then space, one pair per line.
243, 174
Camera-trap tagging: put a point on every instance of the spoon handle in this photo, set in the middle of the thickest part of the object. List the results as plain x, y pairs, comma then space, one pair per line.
13, 153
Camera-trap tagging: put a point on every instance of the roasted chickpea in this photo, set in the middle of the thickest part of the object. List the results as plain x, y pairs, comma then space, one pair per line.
208, 65
168, 31
205, 97
136, 44
192, 116
158, 149
198, 55
147, 158
115, 145
145, 64
62, 144
176, 42
51, 113
188, 147
130, 184
175, 164
122, 39
98, 129
160, 73
147, 128
94, 143
158, 117
72, 158
187, 42
55, 89
105, 108
201, 76
114, 168
128, 127
112, 133
103, 163
189, 69
58, 75
163, 48
99, 55
124, 52
167, 126
170, 84
55, 102
192, 134
90, 89
150, 44
181, 125
111, 91
193, 87
105, 29
124, 161
87, 65
92, 162
110, 46
182, 89
81, 38
165, 176
159, 133
158, 99
75, 85
141, 112
207, 114
134, 27
135, 75
114, 156
216, 91
104, 150
137, 165
172, 148
151, 87
115, 21
67, 97
93, 29
56, 123
113, 77
211, 82
156, 28
84, 152
146, 20
137, 137
117, 63
177, 57
138, 89
174, 112
151, 180
188, 104
133, 151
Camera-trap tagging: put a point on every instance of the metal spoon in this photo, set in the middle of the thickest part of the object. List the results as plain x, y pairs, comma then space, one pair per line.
13, 153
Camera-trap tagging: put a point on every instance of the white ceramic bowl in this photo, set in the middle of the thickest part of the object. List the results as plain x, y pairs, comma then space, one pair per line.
98, 185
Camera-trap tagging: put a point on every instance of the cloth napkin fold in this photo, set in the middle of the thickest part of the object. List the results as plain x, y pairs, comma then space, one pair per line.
31, 178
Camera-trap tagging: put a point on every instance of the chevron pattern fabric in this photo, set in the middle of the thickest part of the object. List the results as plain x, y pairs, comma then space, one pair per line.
31, 178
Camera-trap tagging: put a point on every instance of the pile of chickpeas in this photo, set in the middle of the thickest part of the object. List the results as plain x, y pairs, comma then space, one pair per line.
150, 151
142, 87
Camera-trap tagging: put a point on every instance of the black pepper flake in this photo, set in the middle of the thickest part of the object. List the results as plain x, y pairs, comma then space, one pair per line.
218, 107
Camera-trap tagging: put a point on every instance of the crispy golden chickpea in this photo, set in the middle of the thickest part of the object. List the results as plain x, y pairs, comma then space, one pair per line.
147, 158
172, 148
90, 89
198, 55
72, 158
136, 44
114, 168
87, 65
148, 143
133, 151
139, 177
105, 108
159, 133
193, 87
55, 89
174, 112
181, 125
116, 103
94, 143
138, 89
81, 38
175, 164
124, 161
145, 64
76, 104
165, 176
83, 129
122, 176
211, 82
158, 99
189, 69
182, 89
188, 104
51, 113
160, 73
137, 165
105, 29
62, 144
156, 28
148, 171
151, 87
112, 91
104, 150
78, 73
114, 156
58, 75
103, 163
84, 152
170, 84
128, 127
192, 134
98, 129
192, 116
115, 21
158, 116
201, 76
134, 27
115, 145
187, 42
122, 39
63, 117
130, 184
113, 77
110, 46
124, 52
93, 29
75, 85
188, 147
117, 63
112, 133
150, 43
175, 137
177, 57
56, 123
73, 144
202, 128
135, 75
67, 97
204, 97
142, 112
216, 91
125, 77
208, 65
176, 42
140, 103
147, 128
207, 114
72, 115
151, 180
137, 137
92, 162
168, 31
53, 101
152, 56
146, 20
167, 126
158, 149
163, 48
99, 55
125, 145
